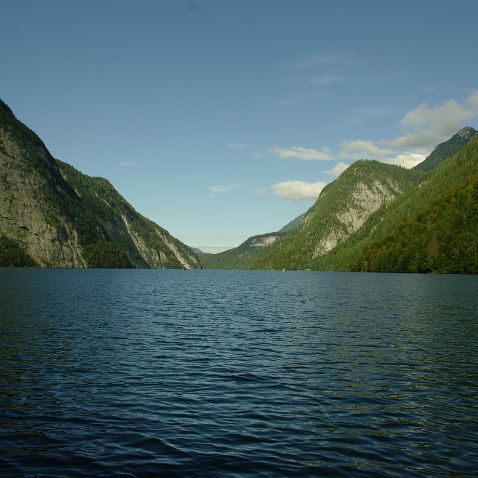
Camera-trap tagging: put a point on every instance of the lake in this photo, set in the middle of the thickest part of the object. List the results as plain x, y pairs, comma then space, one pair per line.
147, 373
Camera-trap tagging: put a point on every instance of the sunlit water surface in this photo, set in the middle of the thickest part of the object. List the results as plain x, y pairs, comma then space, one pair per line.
214, 373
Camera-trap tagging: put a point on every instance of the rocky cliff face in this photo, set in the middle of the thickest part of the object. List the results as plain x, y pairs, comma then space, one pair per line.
62, 218
341, 209
29, 181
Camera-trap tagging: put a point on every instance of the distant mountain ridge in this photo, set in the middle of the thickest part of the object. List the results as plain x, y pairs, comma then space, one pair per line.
421, 214
242, 256
342, 208
340, 231
432, 228
447, 149
51, 215
373, 217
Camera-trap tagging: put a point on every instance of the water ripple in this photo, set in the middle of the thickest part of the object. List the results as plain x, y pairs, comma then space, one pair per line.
238, 374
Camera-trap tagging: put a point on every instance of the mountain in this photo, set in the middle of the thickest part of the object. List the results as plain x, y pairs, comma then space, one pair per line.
243, 256
52, 215
433, 228
447, 149
342, 208
240, 257
294, 224
428, 228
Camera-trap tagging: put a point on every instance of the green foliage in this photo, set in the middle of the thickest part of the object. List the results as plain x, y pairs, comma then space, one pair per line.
106, 254
102, 216
293, 225
241, 257
109, 231
12, 254
301, 248
433, 228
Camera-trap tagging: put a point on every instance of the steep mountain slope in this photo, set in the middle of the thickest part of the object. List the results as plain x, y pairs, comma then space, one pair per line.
341, 209
51, 215
447, 149
433, 228
294, 224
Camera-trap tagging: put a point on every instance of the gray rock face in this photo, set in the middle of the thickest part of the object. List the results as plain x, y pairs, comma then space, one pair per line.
27, 213
62, 218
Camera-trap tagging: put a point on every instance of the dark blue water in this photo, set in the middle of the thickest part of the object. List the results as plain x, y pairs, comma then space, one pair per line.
215, 373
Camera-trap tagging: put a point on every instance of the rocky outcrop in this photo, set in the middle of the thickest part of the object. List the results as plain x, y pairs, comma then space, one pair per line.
341, 209
60, 217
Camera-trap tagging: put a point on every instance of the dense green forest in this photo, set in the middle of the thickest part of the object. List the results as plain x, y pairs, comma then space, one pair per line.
432, 229
13, 255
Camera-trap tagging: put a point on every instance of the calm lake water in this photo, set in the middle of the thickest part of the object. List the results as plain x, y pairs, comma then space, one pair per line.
215, 373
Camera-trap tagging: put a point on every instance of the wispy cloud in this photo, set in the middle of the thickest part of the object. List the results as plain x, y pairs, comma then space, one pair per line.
214, 190
297, 190
338, 169
251, 149
421, 139
239, 146
424, 127
260, 191
362, 149
407, 160
325, 80
304, 154
299, 98
312, 61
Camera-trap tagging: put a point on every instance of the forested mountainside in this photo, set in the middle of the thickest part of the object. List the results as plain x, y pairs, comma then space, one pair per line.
340, 231
241, 257
51, 215
341, 209
428, 228
433, 228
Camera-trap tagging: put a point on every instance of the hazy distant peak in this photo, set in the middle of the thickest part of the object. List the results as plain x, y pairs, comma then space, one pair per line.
467, 133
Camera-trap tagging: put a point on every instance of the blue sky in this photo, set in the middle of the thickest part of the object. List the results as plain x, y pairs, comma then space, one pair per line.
222, 119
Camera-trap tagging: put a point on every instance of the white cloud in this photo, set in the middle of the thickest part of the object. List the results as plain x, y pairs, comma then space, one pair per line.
426, 126
223, 189
304, 154
407, 160
473, 101
338, 169
445, 118
418, 140
361, 149
260, 191
297, 190
429, 125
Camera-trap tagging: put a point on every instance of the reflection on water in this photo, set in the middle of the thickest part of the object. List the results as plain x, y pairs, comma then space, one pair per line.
214, 373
